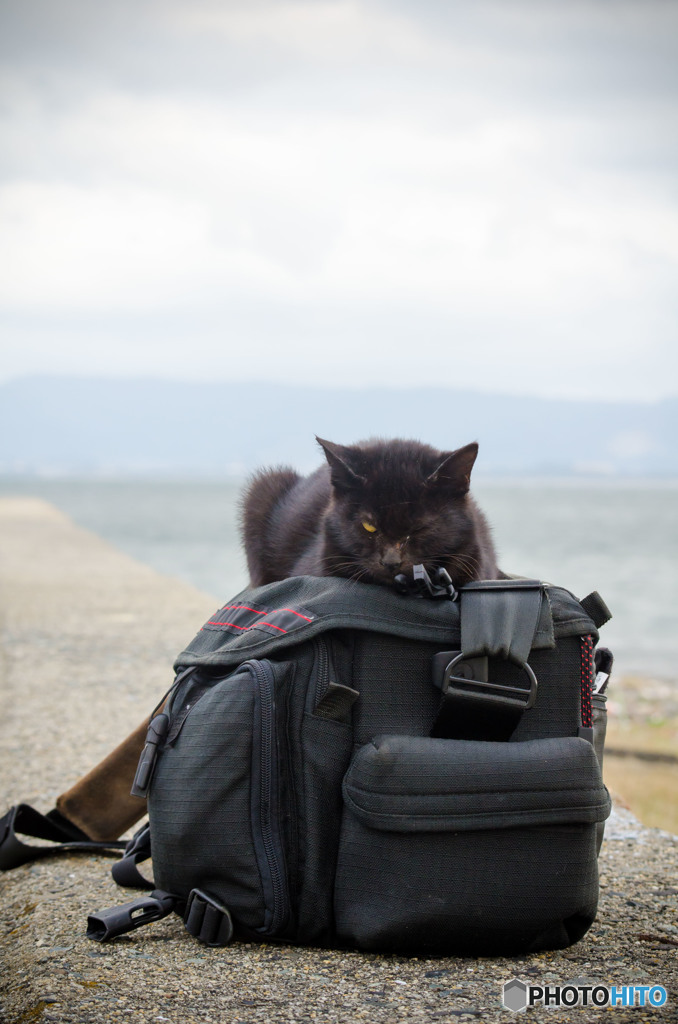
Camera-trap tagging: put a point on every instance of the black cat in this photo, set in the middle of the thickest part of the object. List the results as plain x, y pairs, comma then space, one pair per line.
374, 511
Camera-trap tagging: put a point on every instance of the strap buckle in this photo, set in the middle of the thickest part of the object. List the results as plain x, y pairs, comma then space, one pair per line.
208, 919
422, 585
471, 682
104, 925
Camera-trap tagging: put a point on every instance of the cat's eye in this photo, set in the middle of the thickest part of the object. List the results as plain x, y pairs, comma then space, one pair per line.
368, 526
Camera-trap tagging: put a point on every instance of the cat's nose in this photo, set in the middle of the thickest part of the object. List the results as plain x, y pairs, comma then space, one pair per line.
391, 558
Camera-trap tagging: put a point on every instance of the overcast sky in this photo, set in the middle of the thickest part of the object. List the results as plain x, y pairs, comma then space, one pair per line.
480, 195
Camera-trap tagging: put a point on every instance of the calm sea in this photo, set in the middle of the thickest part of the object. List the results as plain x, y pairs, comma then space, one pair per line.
620, 538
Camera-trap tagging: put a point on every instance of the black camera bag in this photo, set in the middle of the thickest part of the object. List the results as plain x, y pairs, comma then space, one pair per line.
339, 764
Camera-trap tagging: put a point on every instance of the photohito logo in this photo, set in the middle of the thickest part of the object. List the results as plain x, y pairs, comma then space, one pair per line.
518, 996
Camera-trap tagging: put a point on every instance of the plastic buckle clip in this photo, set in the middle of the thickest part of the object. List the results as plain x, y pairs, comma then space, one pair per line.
472, 688
422, 585
106, 924
208, 919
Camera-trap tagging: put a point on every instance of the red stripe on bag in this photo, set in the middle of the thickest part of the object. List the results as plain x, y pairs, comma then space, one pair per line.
257, 611
256, 625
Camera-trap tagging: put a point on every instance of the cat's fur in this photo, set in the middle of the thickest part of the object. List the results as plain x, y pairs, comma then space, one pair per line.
415, 496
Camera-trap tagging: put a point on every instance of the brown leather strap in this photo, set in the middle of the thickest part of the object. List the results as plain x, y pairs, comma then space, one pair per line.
100, 803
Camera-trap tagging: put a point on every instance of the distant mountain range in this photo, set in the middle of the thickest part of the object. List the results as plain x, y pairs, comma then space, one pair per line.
76, 426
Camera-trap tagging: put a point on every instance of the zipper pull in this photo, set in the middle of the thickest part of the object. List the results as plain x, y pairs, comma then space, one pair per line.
157, 731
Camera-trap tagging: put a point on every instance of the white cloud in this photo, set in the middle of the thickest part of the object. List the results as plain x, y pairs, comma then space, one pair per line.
114, 248
631, 444
322, 31
367, 168
356, 210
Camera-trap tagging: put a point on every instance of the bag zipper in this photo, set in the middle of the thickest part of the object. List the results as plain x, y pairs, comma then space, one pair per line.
322, 661
270, 855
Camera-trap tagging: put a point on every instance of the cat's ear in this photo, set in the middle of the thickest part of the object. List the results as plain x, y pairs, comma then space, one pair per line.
454, 472
343, 465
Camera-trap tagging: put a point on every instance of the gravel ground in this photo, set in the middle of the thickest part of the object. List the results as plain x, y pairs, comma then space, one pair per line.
79, 617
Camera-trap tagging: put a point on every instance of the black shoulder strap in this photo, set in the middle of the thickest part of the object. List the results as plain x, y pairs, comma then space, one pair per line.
62, 834
138, 849
500, 618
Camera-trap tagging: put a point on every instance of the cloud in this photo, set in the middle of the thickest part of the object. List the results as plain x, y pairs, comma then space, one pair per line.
115, 248
488, 187
363, 209
631, 444
319, 32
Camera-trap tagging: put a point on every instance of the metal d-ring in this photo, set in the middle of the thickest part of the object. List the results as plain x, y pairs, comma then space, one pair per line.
493, 692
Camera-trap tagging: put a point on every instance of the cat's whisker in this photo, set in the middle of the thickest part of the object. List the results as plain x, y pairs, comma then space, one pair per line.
330, 563
358, 575
338, 568
470, 564
467, 561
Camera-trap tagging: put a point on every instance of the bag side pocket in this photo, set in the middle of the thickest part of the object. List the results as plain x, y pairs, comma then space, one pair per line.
599, 714
216, 804
457, 846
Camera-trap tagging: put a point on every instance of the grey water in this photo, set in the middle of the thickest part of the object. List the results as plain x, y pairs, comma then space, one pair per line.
619, 537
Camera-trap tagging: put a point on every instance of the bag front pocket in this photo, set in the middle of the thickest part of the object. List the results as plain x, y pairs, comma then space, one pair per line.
216, 799
458, 846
